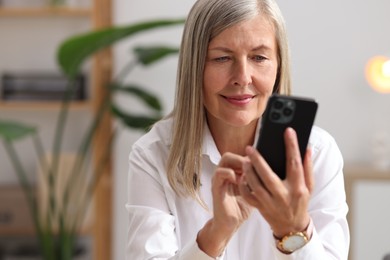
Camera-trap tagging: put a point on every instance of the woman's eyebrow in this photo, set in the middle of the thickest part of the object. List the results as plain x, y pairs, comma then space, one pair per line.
224, 49
261, 47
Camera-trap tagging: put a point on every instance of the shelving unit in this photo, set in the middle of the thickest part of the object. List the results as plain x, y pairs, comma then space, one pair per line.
39, 105
44, 11
36, 13
99, 16
358, 174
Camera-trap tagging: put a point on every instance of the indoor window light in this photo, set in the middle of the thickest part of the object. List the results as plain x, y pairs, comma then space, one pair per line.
378, 73
386, 68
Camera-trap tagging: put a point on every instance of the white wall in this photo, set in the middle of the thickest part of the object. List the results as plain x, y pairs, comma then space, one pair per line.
330, 43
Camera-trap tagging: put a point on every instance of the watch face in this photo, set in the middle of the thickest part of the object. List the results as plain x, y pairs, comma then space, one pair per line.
294, 242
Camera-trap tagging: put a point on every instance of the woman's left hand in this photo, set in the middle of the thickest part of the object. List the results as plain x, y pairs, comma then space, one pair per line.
283, 203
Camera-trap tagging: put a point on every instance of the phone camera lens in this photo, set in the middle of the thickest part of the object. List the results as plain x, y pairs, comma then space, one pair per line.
278, 104
287, 111
275, 116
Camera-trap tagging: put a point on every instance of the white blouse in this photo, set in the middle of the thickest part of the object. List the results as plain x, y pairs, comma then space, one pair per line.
163, 225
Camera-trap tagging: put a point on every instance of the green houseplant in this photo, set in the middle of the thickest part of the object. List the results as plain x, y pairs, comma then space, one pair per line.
58, 241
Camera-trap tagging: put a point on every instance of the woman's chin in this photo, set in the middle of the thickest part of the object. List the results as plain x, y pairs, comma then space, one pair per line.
242, 122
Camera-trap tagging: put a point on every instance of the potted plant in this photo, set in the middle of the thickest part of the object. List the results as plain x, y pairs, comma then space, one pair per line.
56, 230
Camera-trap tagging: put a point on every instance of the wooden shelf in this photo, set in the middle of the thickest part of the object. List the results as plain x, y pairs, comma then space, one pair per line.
100, 16
85, 231
365, 172
40, 105
44, 11
354, 174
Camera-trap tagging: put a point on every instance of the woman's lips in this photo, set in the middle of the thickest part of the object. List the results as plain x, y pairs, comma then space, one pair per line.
239, 100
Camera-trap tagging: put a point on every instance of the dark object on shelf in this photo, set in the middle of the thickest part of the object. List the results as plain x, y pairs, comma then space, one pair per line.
40, 87
15, 216
27, 248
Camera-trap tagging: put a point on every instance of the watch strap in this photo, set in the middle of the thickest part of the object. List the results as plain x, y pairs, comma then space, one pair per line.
305, 234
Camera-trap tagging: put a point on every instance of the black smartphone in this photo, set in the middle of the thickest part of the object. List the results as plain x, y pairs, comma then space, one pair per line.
282, 112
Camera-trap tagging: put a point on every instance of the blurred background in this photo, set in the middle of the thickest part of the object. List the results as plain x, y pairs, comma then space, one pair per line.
331, 43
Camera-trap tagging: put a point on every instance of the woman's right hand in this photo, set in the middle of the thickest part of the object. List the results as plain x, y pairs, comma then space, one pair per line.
229, 208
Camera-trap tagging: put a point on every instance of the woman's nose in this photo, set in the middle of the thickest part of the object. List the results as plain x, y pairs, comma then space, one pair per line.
242, 75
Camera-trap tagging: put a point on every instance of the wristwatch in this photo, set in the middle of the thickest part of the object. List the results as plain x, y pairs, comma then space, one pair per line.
295, 240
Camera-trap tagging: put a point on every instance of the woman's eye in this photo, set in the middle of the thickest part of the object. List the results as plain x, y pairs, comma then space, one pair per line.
221, 59
259, 58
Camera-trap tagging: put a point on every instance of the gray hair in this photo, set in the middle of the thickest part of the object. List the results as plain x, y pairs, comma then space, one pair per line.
206, 20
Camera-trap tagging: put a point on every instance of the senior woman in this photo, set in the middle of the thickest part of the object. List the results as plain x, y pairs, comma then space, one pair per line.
197, 189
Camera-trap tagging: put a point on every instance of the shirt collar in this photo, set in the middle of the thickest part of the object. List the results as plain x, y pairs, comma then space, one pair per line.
209, 148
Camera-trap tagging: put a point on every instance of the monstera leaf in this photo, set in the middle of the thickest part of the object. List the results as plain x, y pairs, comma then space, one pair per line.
73, 52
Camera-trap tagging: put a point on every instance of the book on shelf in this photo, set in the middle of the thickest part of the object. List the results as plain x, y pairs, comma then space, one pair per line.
40, 87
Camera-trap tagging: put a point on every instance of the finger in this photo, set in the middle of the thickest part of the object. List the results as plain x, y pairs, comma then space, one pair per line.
263, 171
233, 161
254, 183
294, 167
223, 176
308, 169
222, 182
250, 197
246, 193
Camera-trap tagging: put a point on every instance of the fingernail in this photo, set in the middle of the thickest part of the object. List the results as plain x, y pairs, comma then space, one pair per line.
290, 132
249, 150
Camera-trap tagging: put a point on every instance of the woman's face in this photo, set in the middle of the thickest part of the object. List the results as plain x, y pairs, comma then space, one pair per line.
240, 73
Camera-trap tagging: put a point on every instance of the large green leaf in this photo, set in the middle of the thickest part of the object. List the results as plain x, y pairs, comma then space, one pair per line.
134, 121
148, 98
11, 131
149, 55
72, 53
